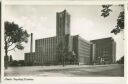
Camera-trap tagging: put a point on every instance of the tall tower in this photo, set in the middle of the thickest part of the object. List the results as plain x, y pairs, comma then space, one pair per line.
62, 23
31, 44
63, 34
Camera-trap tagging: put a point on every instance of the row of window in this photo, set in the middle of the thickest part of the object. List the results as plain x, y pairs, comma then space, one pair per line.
103, 52
46, 46
83, 41
84, 54
46, 41
84, 44
84, 47
40, 57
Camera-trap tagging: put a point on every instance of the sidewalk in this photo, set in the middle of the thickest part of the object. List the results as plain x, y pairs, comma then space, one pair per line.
67, 70
72, 66
59, 67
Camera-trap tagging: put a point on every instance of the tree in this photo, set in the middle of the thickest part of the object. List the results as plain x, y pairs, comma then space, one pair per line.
106, 11
121, 60
63, 49
11, 59
14, 37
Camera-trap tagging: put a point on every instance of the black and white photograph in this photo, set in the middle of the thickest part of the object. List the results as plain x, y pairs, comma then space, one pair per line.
64, 40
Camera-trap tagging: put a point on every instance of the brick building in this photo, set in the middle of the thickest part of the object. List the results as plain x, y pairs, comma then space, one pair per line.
64, 48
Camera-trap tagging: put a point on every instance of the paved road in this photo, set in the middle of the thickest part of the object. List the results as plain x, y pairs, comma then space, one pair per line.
113, 70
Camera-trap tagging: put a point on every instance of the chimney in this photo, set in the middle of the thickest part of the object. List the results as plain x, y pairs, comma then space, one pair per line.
31, 44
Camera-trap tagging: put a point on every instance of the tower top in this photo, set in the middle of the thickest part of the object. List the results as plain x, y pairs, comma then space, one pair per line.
62, 23
64, 11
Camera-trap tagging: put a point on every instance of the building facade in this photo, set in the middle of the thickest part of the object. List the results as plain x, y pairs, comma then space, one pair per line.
66, 49
104, 51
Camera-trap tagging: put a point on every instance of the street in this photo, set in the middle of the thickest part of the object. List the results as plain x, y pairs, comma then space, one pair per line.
113, 70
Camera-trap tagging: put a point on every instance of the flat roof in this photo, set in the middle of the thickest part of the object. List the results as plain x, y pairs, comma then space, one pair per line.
103, 39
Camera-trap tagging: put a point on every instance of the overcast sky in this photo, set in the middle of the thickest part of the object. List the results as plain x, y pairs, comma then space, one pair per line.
86, 21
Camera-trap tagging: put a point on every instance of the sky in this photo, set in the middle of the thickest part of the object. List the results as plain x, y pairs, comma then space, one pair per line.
86, 21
